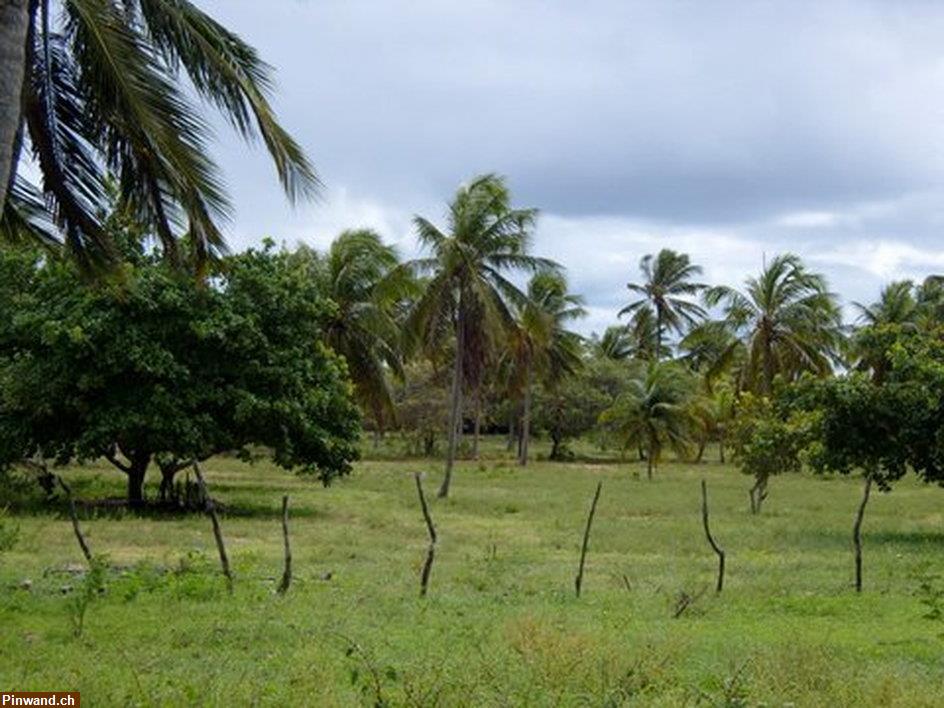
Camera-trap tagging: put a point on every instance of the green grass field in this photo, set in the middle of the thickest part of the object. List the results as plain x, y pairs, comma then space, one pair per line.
501, 624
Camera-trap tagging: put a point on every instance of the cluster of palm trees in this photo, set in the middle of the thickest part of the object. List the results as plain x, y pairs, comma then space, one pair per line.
781, 323
458, 304
687, 351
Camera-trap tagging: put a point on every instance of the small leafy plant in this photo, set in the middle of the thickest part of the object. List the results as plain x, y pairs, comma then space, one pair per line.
93, 584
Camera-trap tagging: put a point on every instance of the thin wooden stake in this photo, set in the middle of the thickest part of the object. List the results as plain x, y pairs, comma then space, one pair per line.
287, 573
86, 551
711, 540
857, 533
578, 581
431, 551
217, 533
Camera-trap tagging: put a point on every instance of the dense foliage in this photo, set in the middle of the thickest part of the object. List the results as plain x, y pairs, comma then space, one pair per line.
152, 367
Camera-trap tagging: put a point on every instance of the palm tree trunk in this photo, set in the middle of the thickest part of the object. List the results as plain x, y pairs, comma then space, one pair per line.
478, 422
512, 422
768, 362
456, 407
658, 352
649, 466
14, 22
526, 418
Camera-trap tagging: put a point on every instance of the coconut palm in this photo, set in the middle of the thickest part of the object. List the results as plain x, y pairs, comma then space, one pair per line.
468, 291
896, 305
656, 412
100, 87
362, 276
541, 346
615, 344
787, 321
667, 291
900, 308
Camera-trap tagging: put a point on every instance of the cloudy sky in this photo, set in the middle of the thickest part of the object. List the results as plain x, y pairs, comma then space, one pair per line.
725, 130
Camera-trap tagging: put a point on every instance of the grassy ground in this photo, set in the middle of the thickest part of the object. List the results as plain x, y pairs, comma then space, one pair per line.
501, 625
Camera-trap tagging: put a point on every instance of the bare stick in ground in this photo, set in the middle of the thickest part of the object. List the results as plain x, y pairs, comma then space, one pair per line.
431, 552
287, 572
711, 540
578, 581
217, 533
857, 533
86, 551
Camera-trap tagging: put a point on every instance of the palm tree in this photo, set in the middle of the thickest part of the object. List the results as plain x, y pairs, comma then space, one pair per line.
97, 87
787, 321
361, 275
468, 292
667, 289
712, 350
896, 310
615, 344
541, 345
656, 412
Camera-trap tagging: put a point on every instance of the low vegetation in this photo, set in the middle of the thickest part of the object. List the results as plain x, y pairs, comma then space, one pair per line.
500, 623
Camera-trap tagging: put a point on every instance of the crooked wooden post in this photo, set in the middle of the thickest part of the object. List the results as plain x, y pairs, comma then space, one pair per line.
431, 551
287, 572
217, 532
711, 540
83, 544
578, 581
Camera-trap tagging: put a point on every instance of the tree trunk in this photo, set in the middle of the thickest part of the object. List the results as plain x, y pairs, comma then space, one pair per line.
658, 352
14, 22
701, 448
857, 533
526, 418
649, 465
136, 473
478, 422
758, 494
555, 445
166, 492
768, 361
512, 419
721, 450
456, 407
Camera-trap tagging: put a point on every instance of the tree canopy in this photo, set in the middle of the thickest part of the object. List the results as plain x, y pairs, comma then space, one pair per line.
151, 367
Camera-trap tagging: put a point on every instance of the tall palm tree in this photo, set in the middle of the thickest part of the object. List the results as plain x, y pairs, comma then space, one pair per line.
786, 319
97, 87
667, 289
362, 276
656, 412
541, 345
896, 305
897, 309
468, 291
615, 344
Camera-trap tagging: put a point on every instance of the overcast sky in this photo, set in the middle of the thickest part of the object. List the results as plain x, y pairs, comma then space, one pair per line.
725, 130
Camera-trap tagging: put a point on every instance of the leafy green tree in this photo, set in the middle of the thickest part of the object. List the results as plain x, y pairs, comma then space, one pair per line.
768, 439
149, 367
468, 291
656, 412
422, 406
361, 275
541, 346
787, 321
667, 291
569, 410
97, 87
